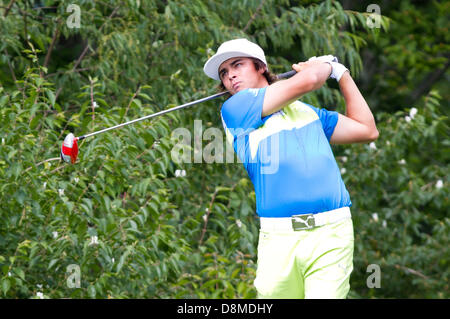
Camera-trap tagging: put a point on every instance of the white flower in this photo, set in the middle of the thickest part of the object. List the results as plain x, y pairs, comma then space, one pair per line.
439, 184
94, 240
61, 191
344, 159
407, 119
180, 173
94, 104
40, 295
204, 218
113, 260
238, 223
375, 217
343, 170
39, 286
9, 274
3, 141
76, 179
402, 161
384, 224
372, 146
55, 234
45, 185
413, 112
388, 143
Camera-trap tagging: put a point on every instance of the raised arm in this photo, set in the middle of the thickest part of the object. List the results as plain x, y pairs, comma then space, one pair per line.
310, 76
358, 123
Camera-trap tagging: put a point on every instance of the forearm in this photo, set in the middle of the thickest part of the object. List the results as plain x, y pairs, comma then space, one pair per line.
316, 73
310, 76
356, 106
322, 72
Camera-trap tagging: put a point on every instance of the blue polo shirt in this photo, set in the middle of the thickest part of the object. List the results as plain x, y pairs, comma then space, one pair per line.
287, 155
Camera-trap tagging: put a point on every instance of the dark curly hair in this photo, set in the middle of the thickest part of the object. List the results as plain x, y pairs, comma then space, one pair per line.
270, 77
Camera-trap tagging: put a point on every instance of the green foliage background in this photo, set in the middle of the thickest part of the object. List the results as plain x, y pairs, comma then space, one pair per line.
123, 215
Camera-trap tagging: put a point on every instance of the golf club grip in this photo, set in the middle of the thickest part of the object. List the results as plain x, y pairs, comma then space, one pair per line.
286, 75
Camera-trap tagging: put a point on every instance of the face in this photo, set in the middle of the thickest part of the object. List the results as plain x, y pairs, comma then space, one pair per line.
239, 73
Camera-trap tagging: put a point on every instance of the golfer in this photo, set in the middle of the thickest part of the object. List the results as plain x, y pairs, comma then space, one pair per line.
305, 247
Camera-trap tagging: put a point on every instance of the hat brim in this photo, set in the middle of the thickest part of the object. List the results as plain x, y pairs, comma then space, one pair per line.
211, 67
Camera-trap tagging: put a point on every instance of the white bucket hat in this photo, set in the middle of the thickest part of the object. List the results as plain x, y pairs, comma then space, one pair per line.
232, 49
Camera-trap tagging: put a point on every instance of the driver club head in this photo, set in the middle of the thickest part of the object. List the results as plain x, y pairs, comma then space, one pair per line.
69, 149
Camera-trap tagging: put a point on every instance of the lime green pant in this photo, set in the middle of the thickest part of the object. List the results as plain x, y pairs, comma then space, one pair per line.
314, 263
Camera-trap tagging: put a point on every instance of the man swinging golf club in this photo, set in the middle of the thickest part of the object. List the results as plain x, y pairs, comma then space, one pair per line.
305, 247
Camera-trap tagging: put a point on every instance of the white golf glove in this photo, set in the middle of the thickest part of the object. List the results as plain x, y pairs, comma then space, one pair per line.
325, 58
337, 70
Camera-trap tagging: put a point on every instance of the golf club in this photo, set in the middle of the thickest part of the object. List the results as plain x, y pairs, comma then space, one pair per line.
69, 148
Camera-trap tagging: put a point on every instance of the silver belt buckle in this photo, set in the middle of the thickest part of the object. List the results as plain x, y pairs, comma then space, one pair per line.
301, 222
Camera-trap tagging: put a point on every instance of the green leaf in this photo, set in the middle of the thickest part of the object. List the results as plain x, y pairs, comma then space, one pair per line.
20, 273
5, 286
91, 291
51, 97
52, 262
122, 260
137, 102
4, 100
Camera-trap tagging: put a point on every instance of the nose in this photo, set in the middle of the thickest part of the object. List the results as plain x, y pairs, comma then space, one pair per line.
231, 74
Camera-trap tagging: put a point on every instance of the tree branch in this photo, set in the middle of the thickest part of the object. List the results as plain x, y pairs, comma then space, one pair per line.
208, 212
8, 8
87, 45
52, 44
428, 82
45, 161
411, 271
11, 69
253, 16
81, 57
92, 102
61, 72
132, 98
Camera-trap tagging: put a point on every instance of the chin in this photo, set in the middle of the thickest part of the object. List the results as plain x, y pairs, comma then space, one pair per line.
239, 89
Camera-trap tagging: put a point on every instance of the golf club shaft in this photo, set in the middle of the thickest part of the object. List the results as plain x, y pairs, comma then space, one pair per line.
211, 97
155, 114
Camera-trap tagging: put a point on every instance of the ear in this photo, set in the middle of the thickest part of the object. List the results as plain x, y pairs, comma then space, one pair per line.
262, 70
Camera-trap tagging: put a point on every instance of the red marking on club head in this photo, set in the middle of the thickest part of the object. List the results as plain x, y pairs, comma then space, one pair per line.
74, 154
69, 149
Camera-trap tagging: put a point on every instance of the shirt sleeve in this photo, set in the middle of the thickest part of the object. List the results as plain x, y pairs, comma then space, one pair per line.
329, 120
242, 112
